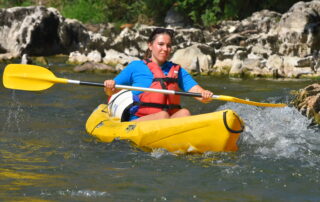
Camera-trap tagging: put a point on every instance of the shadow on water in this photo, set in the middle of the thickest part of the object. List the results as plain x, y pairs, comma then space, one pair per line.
47, 155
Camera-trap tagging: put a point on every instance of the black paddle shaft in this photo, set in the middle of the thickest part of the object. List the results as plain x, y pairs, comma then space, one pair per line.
86, 83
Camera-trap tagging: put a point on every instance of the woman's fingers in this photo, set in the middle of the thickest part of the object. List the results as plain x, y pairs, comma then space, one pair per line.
206, 96
109, 83
109, 87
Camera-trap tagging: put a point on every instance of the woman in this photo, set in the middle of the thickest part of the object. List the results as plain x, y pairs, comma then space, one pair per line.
156, 72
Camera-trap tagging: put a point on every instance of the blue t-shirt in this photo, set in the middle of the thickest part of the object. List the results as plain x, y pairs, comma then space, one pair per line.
138, 74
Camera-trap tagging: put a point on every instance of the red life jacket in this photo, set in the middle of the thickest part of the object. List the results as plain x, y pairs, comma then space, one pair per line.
151, 102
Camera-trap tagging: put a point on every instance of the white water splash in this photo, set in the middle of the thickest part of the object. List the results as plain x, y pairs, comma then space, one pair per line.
83, 193
158, 153
278, 133
13, 120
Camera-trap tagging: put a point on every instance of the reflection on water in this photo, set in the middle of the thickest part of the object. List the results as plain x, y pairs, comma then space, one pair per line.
46, 155
23, 169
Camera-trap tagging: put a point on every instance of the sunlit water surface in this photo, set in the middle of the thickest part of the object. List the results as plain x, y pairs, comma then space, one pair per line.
46, 154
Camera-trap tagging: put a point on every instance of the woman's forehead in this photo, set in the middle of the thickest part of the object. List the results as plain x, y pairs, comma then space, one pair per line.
163, 37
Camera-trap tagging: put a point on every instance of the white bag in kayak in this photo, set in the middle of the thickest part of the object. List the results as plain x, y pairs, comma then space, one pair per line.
120, 103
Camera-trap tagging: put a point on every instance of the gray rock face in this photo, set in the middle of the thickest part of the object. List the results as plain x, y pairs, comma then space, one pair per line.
298, 29
196, 58
31, 30
43, 31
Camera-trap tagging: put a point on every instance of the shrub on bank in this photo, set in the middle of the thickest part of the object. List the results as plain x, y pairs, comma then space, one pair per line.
199, 12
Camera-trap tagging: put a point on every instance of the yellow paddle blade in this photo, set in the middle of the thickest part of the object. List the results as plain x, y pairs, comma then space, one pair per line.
29, 77
238, 100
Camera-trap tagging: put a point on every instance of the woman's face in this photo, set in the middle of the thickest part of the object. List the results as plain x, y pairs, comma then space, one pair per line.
160, 48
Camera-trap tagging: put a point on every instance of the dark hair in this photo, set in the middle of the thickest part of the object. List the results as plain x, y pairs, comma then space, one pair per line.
153, 36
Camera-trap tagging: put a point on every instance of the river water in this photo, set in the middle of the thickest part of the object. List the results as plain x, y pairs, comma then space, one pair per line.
46, 155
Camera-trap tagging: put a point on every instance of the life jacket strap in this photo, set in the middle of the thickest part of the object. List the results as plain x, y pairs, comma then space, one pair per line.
167, 79
156, 105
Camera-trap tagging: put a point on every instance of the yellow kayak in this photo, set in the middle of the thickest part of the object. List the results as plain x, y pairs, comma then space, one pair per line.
216, 131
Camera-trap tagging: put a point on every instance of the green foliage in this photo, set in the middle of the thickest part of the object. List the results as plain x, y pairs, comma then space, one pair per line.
204, 12
156, 10
92, 11
142, 11
200, 12
12, 3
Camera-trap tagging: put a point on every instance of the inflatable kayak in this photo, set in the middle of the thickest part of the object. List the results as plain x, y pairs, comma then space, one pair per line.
216, 131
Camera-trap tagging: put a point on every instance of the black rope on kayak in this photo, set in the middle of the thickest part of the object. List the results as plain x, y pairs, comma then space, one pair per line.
226, 124
104, 110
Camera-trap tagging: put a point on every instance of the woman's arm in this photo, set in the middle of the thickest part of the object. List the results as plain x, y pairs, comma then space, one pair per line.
123, 78
206, 94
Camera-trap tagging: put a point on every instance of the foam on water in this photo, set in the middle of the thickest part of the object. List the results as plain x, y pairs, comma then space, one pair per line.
85, 193
278, 133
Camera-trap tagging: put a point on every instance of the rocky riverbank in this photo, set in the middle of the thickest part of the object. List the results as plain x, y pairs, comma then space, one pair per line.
266, 44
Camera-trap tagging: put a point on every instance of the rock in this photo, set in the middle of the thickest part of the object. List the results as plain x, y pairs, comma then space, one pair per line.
7, 57
186, 37
235, 39
175, 18
262, 21
307, 101
77, 58
30, 30
236, 69
41, 31
113, 58
73, 35
305, 62
293, 67
237, 63
223, 67
94, 56
261, 51
132, 41
298, 29
197, 58
251, 64
228, 52
275, 64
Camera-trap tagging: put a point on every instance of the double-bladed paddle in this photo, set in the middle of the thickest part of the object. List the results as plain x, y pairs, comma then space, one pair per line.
36, 78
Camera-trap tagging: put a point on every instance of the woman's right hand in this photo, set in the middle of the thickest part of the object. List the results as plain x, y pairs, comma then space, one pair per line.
109, 87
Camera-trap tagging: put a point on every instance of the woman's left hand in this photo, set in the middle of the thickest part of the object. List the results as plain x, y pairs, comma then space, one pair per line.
206, 96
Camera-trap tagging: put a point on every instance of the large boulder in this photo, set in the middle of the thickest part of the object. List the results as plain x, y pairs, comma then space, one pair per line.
37, 30
117, 59
30, 30
198, 58
298, 29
